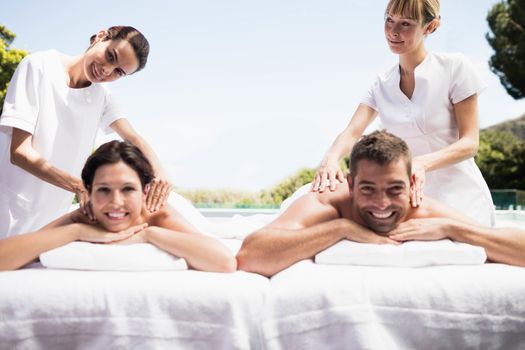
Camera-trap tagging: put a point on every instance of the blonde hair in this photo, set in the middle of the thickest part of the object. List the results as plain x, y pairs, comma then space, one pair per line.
423, 11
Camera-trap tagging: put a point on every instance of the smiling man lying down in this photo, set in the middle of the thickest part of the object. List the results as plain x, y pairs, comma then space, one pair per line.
371, 207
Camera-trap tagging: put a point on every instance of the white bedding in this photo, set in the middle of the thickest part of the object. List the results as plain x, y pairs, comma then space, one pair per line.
308, 306
66, 309
313, 306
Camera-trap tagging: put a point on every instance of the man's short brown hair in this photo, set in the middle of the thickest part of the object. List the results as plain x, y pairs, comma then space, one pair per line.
381, 147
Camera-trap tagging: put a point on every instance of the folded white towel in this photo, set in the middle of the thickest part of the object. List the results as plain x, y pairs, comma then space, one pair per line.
92, 256
408, 254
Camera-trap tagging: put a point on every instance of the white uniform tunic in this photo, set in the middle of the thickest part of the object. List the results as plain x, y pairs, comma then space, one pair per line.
427, 123
63, 122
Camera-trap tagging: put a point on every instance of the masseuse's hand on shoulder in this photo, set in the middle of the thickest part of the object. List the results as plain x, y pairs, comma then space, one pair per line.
158, 193
329, 175
418, 180
82, 196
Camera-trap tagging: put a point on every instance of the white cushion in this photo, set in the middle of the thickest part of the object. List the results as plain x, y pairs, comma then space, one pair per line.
112, 257
408, 254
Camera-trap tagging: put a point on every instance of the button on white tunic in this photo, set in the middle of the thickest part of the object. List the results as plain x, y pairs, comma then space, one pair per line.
427, 123
63, 122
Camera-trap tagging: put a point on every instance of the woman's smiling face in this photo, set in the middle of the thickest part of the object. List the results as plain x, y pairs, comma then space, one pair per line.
403, 34
109, 60
117, 196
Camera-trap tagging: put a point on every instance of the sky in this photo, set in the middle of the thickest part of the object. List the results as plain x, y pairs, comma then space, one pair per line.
241, 94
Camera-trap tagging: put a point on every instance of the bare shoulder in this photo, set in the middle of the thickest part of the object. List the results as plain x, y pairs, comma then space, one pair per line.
341, 194
432, 208
310, 209
73, 217
340, 198
170, 218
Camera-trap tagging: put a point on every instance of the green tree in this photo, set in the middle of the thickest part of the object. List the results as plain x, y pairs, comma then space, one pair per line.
288, 186
515, 126
501, 159
507, 22
9, 59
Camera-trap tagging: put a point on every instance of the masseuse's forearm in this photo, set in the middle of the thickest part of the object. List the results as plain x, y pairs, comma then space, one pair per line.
460, 150
18, 251
341, 146
145, 148
466, 114
200, 252
504, 245
125, 130
26, 157
42, 169
271, 250
345, 141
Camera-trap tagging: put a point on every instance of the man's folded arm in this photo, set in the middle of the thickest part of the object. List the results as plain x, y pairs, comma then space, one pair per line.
271, 250
503, 244
308, 226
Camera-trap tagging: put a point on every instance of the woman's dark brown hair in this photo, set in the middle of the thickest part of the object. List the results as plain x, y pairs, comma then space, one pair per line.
135, 38
113, 152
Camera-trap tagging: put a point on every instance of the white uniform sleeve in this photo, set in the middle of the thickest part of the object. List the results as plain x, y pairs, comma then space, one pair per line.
465, 80
369, 98
111, 112
21, 103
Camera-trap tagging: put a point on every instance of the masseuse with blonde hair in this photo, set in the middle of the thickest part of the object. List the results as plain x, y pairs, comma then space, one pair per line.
430, 100
53, 108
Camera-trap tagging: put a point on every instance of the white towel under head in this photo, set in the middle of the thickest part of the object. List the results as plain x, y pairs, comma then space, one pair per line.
93, 256
408, 254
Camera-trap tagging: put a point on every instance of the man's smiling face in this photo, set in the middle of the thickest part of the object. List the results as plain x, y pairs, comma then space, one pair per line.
380, 194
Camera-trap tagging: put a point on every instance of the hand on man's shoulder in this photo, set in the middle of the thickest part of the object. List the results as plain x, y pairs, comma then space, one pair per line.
340, 194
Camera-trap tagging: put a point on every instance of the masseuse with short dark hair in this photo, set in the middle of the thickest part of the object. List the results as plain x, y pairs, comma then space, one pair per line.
53, 108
